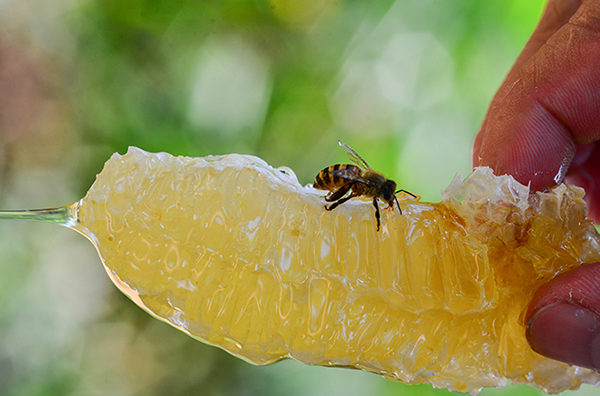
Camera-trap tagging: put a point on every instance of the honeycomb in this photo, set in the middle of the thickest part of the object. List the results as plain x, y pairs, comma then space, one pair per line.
239, 255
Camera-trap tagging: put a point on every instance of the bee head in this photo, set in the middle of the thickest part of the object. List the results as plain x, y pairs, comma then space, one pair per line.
388, 192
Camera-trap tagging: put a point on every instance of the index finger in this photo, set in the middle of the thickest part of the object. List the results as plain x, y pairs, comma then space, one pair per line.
547, 106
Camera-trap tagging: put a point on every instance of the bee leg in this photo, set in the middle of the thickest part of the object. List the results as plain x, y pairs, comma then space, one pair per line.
377, 216
397, 204
335, 195
339, 202
408, 192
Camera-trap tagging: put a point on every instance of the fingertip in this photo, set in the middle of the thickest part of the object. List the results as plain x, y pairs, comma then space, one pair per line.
527, 141
567, 332
563, 318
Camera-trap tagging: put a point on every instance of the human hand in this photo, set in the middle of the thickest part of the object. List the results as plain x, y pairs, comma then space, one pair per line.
545, 118
543, 127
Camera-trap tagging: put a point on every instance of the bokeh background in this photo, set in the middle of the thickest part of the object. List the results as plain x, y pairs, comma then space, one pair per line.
405, 82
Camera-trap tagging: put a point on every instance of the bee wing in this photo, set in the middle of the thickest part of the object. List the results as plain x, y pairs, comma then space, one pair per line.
348, 175
354, 157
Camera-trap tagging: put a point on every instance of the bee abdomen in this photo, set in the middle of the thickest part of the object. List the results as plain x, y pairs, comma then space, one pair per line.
327, 179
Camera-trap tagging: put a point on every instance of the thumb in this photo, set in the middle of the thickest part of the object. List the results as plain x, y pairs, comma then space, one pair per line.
563, 319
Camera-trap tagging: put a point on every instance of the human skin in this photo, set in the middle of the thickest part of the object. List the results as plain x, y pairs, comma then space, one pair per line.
543, 127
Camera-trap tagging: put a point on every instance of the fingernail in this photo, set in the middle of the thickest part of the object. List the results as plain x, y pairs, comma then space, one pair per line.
567, 332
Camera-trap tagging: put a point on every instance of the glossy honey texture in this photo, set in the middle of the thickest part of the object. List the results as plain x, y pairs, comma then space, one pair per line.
240, 255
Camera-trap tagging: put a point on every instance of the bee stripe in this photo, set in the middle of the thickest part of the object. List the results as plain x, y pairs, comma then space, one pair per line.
318, 180
325, 176
335, 179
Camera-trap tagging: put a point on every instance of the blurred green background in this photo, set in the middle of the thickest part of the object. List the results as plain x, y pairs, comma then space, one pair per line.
406, 83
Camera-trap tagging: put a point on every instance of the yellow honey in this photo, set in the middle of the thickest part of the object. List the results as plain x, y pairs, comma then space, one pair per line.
240, 255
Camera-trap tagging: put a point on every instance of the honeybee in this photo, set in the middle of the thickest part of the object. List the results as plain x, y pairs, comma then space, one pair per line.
362, 180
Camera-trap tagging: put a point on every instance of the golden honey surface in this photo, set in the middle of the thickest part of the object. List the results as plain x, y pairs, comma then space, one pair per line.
241, 256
